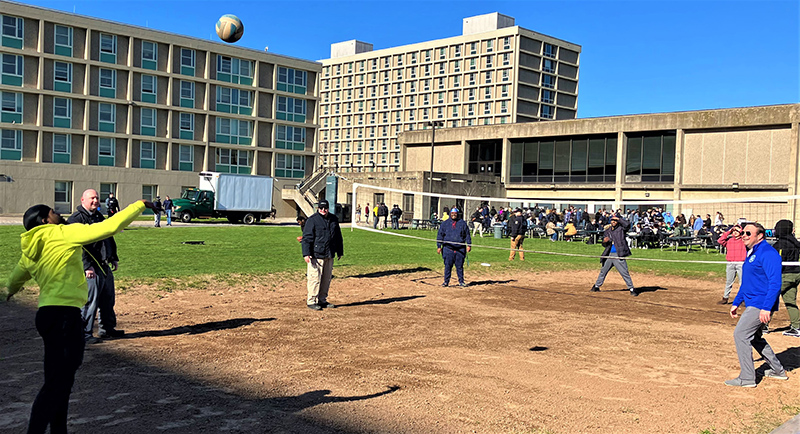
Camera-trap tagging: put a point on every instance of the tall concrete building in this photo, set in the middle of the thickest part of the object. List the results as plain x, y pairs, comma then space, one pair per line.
88, 103
494, 73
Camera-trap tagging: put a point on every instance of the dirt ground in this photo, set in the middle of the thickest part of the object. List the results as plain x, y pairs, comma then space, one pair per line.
521, 353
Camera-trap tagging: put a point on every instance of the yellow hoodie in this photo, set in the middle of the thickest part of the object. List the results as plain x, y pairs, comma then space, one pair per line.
51, 254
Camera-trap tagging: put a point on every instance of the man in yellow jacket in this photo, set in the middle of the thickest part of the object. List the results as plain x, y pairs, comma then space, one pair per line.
51, 255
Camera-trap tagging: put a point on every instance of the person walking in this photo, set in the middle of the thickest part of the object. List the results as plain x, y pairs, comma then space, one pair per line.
517, 228
322, 240
50, 256
761, 285
168, 210
477, 222
157, 212
367, 212
735, 254
358, 213
100, 261
453, 242
789, 249
616, 249
112, 205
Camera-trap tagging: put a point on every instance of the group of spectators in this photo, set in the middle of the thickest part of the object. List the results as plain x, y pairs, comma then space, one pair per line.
380, 214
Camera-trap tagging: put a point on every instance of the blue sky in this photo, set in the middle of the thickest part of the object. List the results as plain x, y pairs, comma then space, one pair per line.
642, 56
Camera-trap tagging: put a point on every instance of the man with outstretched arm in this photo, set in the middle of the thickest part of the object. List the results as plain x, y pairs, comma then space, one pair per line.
760, 288
51, 255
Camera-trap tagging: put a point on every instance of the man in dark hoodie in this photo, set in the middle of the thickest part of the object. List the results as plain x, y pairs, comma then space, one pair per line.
789, 248
616, 249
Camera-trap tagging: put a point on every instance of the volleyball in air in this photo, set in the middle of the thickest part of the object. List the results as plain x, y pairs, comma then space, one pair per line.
230, 28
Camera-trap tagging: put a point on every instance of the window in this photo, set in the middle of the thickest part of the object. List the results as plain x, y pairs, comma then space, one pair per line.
457, 66
503, 106
147, 155
234, 70
505, 75
582, 159
234, 100
456, 95
108, 48
547, 111
63, 40
187, 61
291, 109
651, 156
148, 122
62, 76
549, 50
186, 158
234, 131
547, 96
506, 59
458, 51
456, 81
105, 190
12, 31
62, 148
487, 92
62, 112
63, 197
288, 137
292, 80
506, 42
11, 145
149, 55
105, 151
12, 69
108, 83
485, 157
471, 95
489, 61
186, 126
149, 88
489, 45
232, 161
187, 94
11, 109
548, 81
107, 115
487, 108
290, 166
473, 63
548, 65
149, 192
504, 91
488, 76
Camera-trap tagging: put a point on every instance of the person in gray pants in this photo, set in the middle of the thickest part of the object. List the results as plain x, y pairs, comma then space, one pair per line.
616, 249
761, 286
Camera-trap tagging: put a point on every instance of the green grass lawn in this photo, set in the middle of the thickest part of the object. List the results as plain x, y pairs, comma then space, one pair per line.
152, 254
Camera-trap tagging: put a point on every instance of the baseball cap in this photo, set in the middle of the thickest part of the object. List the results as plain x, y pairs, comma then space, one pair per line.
323, 204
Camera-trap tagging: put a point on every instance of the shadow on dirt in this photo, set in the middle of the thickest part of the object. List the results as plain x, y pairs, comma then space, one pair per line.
310, 399
490, 282
790, 359
643, 289
197, 329
391, 272
381, 301
538, 348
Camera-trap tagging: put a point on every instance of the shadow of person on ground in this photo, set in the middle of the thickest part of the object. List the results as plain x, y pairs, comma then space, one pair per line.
381, 301
490, 282
197, 328
297, 403
392, 272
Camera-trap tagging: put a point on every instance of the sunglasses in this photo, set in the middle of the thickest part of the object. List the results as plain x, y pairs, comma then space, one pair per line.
750, 234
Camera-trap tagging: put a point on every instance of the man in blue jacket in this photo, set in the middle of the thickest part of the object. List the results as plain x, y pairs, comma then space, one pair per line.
453, 243
760, 288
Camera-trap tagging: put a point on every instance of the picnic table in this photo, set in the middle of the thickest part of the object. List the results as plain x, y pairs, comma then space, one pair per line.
689, 241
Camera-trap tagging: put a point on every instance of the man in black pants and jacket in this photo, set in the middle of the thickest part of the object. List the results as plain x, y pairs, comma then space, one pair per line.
99, 262
789, 248
322, 239
616, 249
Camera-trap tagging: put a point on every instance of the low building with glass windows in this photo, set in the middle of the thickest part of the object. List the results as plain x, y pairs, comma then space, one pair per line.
88, 103
652, 158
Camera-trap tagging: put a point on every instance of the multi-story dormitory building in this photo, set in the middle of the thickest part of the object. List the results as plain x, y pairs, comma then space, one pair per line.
88, 103
494, 73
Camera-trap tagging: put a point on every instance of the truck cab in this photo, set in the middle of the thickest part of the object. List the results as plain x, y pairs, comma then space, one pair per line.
194, 203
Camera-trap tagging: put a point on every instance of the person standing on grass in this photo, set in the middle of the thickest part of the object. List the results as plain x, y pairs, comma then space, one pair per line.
51, 256
761, 286
453, 243
157, 212
517, 227
112, 205
789, 249
616, 249
358, 213
322, 239
735, 254
367, 211
168, 210
396, 213
477, 223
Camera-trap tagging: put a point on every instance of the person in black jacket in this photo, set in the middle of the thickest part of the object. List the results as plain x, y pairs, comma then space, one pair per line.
99, 262
517, 227
396, 214
322, 239
789, 248
383, 211
616, 249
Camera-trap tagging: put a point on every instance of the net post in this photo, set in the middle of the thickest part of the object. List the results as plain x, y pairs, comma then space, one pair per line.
353, 208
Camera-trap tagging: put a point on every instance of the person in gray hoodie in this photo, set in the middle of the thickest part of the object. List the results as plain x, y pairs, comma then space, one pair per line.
616, 249
789, 248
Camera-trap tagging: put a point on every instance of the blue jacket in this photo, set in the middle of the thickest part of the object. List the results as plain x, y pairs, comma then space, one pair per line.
454, 231
761, 278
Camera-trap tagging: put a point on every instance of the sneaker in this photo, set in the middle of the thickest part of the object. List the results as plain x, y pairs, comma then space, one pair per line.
462, 284
634, 293
327, 305
765, 329
91, 340
111, 333
445, 285
314, 306
792, 332
776, 375
723, 301
595, 289
738, 382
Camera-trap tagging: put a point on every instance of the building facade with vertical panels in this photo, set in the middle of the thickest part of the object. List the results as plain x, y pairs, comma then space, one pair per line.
88, 103
494, 73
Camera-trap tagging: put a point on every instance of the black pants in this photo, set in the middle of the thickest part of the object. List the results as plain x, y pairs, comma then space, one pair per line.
61, 328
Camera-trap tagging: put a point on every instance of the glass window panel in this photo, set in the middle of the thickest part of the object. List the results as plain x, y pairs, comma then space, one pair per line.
546, 158
633, 161
651, 155
597, 152
611, 157
668, 156
562, 157
579, 156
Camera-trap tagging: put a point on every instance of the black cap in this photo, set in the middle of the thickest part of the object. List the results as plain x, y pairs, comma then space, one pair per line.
34, 215
323, 204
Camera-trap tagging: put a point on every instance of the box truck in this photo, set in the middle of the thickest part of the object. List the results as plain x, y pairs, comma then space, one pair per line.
239, 198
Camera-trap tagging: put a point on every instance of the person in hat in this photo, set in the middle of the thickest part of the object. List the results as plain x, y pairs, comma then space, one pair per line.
157, 212
322, 239
616, 249
517, 227
51, 255
453, 242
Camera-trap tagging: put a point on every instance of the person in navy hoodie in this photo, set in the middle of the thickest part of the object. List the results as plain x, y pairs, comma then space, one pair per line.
760, 288
453, 243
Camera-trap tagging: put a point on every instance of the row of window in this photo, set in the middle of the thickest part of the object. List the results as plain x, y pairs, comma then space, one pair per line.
361, 159
486, 92
409, 115
469, 79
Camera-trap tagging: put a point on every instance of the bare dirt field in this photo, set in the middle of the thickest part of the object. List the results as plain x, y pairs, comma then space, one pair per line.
521, 353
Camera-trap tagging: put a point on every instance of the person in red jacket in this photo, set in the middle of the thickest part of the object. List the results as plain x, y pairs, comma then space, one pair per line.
736, 253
